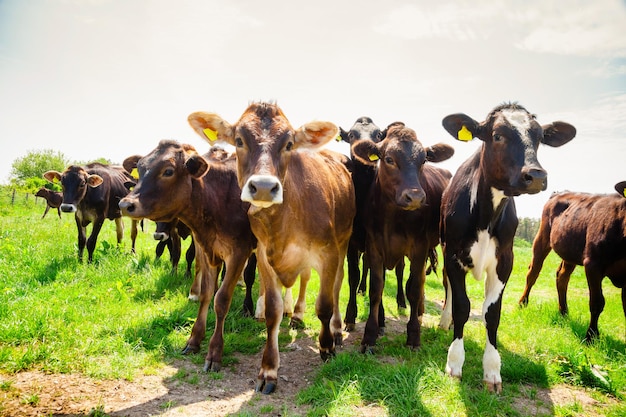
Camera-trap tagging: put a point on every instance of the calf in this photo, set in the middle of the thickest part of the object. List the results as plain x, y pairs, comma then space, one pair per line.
53, 200
583, 229
401, 218
175, 182
170, 234
478, 217
92, 192
363, 176
302, 207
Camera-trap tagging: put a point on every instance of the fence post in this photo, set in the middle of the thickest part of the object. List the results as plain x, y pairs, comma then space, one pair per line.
13, 197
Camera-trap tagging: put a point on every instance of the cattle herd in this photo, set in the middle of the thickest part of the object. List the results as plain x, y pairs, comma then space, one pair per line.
283, 203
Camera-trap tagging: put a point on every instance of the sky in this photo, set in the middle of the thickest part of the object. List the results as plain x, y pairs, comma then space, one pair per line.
110, 78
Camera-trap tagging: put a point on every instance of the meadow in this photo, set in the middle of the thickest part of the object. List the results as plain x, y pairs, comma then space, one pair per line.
125, 316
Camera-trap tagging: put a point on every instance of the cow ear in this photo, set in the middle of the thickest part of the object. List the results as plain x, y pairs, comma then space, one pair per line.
197, 166
461, 127
315, 134
557, 133
366, 152
94, 180
130, 165
439, 152
620, 187
211, 127
52, 176
343, 136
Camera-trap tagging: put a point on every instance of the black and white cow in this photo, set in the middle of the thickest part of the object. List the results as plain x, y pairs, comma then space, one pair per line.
478, 217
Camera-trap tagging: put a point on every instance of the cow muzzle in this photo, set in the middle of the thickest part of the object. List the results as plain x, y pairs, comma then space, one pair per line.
534, 180
127, 207
68, 208
411, 199
161, 236
262, 191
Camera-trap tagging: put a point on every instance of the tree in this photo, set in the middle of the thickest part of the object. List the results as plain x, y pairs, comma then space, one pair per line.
26, 169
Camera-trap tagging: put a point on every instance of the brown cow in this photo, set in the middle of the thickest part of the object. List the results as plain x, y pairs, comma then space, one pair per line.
478, 217
302, 207
401, 218
92, 192
583, 229
175, 182
53, 200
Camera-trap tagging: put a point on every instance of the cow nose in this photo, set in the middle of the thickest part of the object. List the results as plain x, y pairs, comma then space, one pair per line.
68, 208
535, 179
412, 199
126, 206
162, 236
263, 190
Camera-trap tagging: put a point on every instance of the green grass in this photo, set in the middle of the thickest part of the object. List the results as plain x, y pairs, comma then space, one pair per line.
126, 314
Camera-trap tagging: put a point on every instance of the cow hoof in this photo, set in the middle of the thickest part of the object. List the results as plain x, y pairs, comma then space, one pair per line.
296, 323
265, 388
190, 349
193, 297
326, 356
212, 366
414, 348
493, 387
350, 327
338, 339
381, 331
367, 350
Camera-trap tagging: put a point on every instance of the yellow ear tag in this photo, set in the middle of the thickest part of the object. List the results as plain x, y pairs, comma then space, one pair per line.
338, 138
210, 134
624, 192
134, 173
465, 135
373, 157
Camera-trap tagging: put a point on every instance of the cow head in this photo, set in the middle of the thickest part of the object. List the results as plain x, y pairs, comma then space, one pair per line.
400, 159
363, 128
75, 182
165, 181
264, 142
511, 136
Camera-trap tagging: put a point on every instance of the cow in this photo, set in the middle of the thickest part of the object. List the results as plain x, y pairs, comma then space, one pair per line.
479, 219
583, 229
169, 234
175, 182
363, 176
401, 218
53, 200
92, 192
301, 211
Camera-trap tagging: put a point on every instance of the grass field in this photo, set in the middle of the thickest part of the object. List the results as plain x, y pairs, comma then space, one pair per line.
125, 315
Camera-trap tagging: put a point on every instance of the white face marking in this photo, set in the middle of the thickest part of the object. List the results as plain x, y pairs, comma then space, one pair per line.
520, 121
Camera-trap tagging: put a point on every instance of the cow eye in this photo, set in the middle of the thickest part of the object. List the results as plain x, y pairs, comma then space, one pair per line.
497, 138
389, 160
289, 146
379, 135
168, 172
239, 142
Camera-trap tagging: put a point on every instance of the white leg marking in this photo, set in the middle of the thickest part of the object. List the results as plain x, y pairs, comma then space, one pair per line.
259, 312
456, 358
446, 315
491, 366
288, 302
493, 288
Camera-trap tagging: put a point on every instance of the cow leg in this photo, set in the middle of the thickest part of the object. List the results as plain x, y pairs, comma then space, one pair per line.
190, 255
270, 362
59, 212
248, 279
221, 305
353, 283
119, 229
415, 295
297, 319
160, 247
196, 286
93, 237
208, 275
327, 304
82, 236
400, 298
364, 274
596, 300
377, 283
175, 249
445, 322
492, 306
460, 314
563, 274
541, 249
45, 211
133, 234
